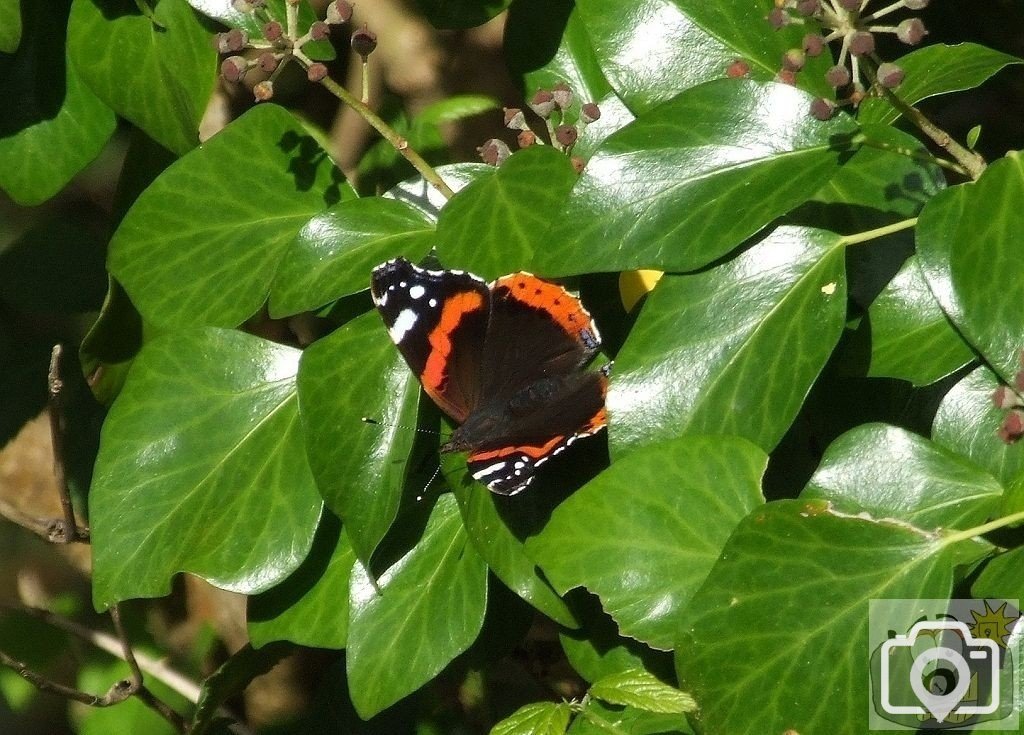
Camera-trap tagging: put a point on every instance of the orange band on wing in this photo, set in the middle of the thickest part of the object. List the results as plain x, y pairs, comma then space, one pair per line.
440, 338
552, 298
529, 451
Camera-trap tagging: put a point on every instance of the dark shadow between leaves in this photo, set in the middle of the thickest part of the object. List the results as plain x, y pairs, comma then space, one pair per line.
306, 160
35, 76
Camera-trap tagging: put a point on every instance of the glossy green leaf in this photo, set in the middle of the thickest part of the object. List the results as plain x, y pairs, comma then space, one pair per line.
689, 181
496, 225
972, 137
428, 609
332, 256
651, 50
639, 688
426, 198
158, 77
360, 469
597, 718
460, 13
201, 245
202, 469
733, 350
664, 513
10, 25
1002, 577
546, 43
229, 680
911, 337
787, 605
966, 422
538, 718
252, 23
938, 69
455, 108
892, 473
501, 549
310, 608
57, 125
891, 173
968, 240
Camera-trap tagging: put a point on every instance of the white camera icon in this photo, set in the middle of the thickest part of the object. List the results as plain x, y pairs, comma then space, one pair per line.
941, 705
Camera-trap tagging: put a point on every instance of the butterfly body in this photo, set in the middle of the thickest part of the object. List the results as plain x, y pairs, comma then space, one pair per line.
505, 360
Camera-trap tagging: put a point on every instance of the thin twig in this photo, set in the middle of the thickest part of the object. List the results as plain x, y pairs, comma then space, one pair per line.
119, 692
159, 669
126, 646
389, 134
971, 161
66, 531
144, 695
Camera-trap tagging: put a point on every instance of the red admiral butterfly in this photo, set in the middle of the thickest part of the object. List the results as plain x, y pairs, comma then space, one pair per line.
504, 360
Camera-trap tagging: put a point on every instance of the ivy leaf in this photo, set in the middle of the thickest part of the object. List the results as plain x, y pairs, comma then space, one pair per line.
202, 244
597, 718
664, 513
501, 549
10, 25
332, 256
638, 688
538, 718
1001, 577
694, 365
310, 607
966, 422
427, 609
689, 181
496, 224
968, 245
800, 575
892, 473
157, 72
360, 469
651, 50
226, 12
57, 125
202, 469
911, 337
230, 680
937, 69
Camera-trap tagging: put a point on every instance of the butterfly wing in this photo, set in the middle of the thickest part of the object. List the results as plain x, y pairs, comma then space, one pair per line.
537, 330
438, 320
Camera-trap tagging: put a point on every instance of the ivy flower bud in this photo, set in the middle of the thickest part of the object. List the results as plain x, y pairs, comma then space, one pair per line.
494, 152
1003, 398
862, 43
263, 91
233, 68
737, 69
273, 31
813, 44
890, 75
562, 95
515, 119
319, 31
577, 164
837, 76
364, 41
526, 138
339, 12
777, 18
316, 72
267, 61
794, 59
911, 31
823, 109
566, 135
589, 113
543, 103
808, 7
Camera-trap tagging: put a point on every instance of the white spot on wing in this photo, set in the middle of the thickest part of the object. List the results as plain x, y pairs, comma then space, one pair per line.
403, 323
433, 303
416, 291
489, 470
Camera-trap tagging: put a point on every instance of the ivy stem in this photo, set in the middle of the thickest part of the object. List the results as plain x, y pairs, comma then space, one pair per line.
984, 528
971, 161
365, 81
387, 132
878, 232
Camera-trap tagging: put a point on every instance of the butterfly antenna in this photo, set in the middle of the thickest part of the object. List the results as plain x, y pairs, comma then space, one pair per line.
423, 493
418, 429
